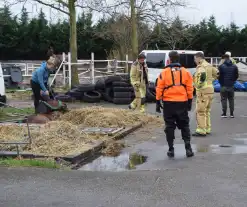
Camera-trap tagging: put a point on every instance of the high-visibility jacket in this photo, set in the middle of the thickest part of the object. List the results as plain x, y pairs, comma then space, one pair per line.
204, 76
137, 73
175, 84
223, 60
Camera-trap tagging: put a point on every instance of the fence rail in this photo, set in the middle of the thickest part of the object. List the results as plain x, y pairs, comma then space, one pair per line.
90, 70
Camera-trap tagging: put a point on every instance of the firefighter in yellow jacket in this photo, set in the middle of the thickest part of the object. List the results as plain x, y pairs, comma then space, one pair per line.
139, 80
203, 82
223, 59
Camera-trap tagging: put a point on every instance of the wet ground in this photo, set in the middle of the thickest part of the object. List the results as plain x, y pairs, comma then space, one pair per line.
229, 137
215, 177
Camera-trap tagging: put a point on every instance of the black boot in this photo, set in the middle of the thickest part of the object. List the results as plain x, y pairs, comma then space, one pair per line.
170, 152
170, 140
188, 149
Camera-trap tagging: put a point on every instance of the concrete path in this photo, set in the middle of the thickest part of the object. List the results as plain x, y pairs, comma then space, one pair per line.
214, 177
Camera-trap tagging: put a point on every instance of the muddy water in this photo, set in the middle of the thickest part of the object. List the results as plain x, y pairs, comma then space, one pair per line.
124, 161
151, 155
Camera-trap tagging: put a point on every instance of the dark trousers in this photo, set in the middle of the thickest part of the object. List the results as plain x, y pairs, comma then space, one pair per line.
227, 93
176, 115
36, 93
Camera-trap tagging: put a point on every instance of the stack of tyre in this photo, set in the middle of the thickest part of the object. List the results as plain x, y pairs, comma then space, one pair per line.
82, 92
114, 89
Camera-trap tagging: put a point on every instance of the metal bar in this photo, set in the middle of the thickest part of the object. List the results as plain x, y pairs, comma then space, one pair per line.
13, 143
69, 69
92, 68
11, 120
115, 131
64, 69
56, 73
84, 72
29, 134
17, 150
99, 61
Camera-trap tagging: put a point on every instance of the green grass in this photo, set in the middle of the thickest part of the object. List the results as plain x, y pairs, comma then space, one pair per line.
28, 163
9, 110
9, 113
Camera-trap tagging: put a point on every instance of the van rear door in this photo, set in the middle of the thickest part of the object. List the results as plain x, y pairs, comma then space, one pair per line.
187, 61
155, 63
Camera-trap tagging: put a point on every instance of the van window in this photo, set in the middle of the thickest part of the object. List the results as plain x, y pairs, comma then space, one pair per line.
187, 60
156, 60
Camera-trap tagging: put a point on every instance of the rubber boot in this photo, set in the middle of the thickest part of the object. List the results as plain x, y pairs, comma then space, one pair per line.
188, 149
170, 136
142, 108
170, 152
132, 106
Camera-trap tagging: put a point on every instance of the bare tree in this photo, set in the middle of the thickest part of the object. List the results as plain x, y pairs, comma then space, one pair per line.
118, 29
175, 33
158, 11
67, 7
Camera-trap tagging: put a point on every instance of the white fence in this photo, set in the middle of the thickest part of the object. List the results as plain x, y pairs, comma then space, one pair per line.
90, 70
216, 60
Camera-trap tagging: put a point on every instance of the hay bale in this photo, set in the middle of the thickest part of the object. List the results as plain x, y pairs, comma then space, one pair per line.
55, 138
58, 137
65, 136
12, 133
106, 117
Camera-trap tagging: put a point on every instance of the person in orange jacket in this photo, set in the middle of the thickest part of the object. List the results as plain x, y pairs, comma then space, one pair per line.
174, 87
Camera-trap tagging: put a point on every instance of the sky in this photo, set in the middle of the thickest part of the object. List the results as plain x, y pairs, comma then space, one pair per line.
195, 11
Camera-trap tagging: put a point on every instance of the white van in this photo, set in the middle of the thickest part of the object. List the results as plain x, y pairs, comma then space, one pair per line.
157, 59
2, 87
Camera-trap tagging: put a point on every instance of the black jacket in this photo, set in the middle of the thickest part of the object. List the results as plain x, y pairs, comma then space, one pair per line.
228, 74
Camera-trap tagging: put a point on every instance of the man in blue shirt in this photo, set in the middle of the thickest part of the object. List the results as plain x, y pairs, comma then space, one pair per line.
39, 81
228, 74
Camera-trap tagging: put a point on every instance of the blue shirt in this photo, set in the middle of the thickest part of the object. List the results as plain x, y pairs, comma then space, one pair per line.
40, 76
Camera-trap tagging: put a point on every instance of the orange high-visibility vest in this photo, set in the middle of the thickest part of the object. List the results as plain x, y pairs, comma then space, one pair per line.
174, 84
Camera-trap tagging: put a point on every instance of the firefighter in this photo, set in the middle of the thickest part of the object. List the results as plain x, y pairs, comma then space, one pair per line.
139, 80
203, 82
175, 89
223, 58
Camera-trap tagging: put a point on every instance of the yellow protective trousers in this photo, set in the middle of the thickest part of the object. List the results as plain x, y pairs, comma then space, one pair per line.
203, 110
140, 94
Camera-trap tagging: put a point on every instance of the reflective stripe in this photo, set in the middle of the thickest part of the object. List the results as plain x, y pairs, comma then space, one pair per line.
201, 131
173, 80
208, 123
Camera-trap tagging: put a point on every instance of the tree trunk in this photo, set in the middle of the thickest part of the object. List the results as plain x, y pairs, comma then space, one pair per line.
73, 42
134, 39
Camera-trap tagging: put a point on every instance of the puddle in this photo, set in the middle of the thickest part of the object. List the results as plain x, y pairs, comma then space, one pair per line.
155, 156
227, 149
241, 140
123, 162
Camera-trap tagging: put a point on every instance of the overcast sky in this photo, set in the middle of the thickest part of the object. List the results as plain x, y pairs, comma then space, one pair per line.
197, 10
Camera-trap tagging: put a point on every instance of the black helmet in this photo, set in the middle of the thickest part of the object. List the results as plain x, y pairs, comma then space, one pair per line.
173, 53
141, 56
174, 56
